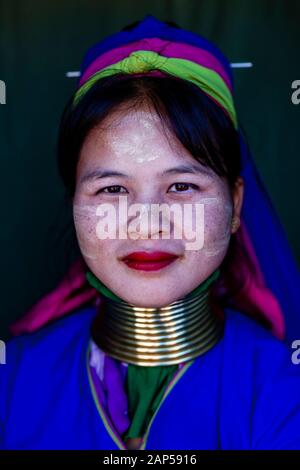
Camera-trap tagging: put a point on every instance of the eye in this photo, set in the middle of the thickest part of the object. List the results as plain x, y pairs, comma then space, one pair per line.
110, 190
183, 186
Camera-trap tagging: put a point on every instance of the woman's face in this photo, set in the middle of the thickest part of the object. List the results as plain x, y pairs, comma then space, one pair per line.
153, 169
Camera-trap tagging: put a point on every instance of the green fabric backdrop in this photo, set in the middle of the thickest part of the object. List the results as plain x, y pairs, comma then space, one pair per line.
41, 40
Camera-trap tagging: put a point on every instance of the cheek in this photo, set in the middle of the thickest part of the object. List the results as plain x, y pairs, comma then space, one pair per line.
217, 227
212, 226
85, 221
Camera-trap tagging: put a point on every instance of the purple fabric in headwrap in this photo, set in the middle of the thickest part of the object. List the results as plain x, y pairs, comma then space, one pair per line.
164, 48
151, 27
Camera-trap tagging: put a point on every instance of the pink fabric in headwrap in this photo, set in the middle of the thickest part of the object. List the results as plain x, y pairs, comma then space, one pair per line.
164, 48
253, 297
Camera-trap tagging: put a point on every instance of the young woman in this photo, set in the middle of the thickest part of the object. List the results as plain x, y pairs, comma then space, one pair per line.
158, 350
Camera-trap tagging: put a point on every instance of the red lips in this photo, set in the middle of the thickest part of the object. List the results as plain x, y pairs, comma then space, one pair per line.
146, 261
146, 256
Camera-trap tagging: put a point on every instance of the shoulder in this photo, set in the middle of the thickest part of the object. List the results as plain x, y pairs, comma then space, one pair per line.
56, 334
29, 354
252, 353
40, 368
247, 335
261, 374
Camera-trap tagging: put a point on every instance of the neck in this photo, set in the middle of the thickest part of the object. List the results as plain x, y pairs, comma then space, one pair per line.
175, 333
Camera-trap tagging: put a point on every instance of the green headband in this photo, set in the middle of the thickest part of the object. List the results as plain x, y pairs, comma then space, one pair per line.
143, 61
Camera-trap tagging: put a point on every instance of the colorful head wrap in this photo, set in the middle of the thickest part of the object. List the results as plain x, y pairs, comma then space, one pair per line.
183, 61
263, 267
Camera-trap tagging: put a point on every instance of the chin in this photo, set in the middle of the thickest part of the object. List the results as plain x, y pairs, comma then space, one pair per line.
147, 301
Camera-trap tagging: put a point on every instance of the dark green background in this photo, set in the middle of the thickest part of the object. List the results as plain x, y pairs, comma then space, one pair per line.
41, 40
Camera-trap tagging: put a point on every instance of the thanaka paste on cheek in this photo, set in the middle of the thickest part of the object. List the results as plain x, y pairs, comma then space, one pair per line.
217, 229
85, 218
137, 222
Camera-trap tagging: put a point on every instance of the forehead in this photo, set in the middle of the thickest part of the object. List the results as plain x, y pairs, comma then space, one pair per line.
132, 136
135, 143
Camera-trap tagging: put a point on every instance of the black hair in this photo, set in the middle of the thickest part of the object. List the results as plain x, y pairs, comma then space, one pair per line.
202, 127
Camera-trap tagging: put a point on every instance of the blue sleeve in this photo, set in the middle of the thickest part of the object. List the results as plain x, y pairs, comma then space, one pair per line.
3, 394
2, 437
276, 410
8, 373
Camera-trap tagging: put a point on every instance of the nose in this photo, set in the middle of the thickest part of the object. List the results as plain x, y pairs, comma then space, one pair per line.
148, 221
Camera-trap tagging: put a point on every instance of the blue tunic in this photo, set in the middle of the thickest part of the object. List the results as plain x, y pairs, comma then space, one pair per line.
242, 394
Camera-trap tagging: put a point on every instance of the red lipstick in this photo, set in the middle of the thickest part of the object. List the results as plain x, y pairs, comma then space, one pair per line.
143, 260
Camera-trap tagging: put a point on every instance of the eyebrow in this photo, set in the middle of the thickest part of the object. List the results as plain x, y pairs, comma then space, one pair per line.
99, 173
